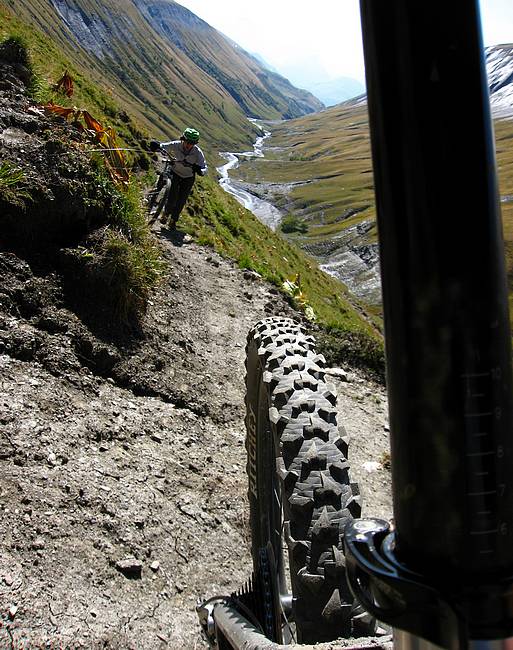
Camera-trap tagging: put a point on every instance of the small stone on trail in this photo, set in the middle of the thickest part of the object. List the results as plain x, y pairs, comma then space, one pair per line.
252, 275
52, 459
338, 373
12, 611
155, 566
130, 567
156, 437
372, 466
212, 261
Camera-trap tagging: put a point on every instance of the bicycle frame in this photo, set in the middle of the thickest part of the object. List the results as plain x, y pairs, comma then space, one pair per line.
448, 567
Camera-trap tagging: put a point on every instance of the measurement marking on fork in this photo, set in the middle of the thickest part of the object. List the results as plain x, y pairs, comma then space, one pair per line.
481, 494
481, 473
488, 552
478, 415
484, 532
484, 513
479, 454
481, 434
471, 375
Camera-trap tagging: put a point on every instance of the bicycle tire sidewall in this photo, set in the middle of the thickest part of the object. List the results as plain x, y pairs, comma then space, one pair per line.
259, 442
284, 371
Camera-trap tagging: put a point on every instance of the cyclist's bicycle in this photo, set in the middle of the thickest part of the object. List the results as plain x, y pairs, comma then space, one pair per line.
158, 196
442, 575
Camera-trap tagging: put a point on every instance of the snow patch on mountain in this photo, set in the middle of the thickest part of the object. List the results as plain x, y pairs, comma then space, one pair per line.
499, 67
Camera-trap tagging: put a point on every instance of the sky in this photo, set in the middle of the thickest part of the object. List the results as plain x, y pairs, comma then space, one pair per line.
321, 44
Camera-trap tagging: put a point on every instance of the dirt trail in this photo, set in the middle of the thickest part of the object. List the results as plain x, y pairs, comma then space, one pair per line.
123, 495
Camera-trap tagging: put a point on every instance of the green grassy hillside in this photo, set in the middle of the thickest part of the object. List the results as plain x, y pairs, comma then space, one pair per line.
504, 151
216, 219
136, 73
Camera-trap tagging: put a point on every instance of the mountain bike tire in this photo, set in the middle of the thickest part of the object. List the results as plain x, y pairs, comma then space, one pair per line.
299, 485
158, 200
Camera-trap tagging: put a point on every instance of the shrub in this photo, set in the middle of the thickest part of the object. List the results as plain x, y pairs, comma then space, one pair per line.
130, 272
131, 256
291, 223
341, 346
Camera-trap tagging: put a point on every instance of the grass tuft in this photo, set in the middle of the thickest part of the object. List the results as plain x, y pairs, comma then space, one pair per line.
128, 257
12, 184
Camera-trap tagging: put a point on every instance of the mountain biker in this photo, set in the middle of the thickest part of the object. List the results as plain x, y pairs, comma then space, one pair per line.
187, 160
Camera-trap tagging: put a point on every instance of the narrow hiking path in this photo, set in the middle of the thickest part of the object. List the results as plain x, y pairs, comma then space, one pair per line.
123, 492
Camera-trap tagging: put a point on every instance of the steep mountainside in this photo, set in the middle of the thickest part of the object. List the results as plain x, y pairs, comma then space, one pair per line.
259, 91
163, 64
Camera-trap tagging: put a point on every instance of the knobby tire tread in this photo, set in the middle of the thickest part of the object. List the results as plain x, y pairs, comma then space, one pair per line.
285, 384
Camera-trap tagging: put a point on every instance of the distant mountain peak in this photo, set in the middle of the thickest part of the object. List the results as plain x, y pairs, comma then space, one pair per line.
499, 67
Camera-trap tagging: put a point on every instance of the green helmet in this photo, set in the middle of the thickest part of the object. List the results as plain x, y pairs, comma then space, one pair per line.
191, 135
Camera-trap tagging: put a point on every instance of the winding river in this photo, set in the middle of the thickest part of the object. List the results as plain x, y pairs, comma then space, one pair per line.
266, 212
344, 259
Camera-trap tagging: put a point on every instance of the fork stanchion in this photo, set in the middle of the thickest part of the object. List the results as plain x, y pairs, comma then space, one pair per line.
448, 341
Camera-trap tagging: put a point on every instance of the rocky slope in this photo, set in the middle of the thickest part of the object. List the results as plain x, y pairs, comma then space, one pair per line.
122, 480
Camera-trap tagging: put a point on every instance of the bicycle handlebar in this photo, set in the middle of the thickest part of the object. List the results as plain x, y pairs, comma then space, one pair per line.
172, 159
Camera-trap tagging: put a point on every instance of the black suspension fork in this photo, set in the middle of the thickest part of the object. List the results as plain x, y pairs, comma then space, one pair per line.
445, 573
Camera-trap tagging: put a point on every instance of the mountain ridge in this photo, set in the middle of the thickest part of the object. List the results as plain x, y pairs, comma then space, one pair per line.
142, 53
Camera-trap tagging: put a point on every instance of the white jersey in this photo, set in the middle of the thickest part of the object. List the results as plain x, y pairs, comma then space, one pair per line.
184, 161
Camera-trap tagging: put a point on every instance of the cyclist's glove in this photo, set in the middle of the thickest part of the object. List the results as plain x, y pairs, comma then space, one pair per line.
197, 169
154, 145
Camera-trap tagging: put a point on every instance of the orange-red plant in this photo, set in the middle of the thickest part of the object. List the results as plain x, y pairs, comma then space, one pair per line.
66, 83
105, 138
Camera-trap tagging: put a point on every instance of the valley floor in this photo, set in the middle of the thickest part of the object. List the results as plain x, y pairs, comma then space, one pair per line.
122, 465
